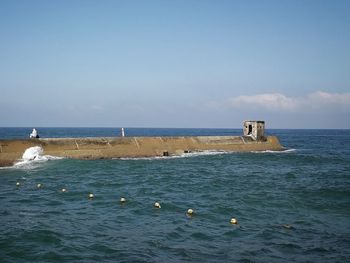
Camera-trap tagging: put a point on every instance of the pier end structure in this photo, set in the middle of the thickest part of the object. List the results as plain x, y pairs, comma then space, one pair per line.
254, 129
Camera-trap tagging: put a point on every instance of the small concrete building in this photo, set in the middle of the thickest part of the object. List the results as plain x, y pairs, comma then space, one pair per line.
255, 129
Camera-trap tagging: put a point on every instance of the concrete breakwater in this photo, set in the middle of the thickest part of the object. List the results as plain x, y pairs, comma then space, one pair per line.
132, 147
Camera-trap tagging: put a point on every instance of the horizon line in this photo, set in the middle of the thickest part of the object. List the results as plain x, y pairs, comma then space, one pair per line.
119, 127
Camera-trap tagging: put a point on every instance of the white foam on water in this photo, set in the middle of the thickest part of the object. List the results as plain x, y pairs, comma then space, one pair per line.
34, 155
184, 155
203, 153
269, 151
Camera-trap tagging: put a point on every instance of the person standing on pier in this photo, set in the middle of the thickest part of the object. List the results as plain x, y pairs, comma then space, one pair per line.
34, 134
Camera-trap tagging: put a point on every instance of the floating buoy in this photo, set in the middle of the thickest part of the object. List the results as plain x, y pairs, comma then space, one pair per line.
190, 212
157, 205
234, 221
18, 184
39, 185
122, 200
91, 196
64, 190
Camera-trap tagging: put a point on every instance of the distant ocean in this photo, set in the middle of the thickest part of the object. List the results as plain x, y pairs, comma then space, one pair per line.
291, 206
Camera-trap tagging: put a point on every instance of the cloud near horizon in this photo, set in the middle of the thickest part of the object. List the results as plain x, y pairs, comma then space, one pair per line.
281, 102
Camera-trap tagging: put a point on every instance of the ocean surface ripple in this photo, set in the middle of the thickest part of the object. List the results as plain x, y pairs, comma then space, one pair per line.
291, 207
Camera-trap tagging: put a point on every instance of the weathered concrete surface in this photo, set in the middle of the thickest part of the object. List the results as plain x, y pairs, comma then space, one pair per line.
118, 147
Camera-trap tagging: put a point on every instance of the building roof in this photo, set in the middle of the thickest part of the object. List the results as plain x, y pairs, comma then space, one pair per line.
255, 121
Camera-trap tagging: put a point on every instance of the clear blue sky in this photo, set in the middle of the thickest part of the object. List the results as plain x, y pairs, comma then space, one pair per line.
176, 63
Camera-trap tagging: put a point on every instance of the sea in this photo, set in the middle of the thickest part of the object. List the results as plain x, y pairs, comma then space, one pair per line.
290, 206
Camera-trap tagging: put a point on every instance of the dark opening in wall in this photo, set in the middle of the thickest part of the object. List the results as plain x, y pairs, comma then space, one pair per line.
250, 129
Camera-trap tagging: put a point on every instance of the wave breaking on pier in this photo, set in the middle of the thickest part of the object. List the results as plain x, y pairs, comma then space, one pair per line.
33, 155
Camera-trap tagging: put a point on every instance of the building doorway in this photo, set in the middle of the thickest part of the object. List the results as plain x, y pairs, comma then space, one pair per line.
250, 129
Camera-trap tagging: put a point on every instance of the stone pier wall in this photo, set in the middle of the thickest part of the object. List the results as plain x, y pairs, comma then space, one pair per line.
119, 147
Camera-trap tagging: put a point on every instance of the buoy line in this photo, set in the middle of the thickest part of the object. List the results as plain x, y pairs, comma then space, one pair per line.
190, 212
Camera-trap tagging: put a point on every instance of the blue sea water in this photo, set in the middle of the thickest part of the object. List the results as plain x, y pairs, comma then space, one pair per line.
292, 206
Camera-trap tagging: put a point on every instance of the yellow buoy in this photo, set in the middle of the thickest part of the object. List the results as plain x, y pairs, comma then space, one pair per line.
91, 196
122, 200
39, 185
18, 184
190, 212
64, 190
157, 205
234, 221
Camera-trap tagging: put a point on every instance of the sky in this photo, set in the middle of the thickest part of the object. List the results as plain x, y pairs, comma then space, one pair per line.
175, 63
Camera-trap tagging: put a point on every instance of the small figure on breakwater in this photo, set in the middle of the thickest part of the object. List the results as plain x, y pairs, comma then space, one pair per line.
34, 134
122, 133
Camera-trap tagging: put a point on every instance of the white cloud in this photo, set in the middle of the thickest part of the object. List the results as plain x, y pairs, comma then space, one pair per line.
321, 98
281, 102
273, 101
